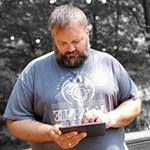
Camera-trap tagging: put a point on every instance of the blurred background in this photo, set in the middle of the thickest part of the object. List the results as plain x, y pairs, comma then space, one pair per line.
118, 27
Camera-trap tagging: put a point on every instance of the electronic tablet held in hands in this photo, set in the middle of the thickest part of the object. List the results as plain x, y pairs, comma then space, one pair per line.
92, 129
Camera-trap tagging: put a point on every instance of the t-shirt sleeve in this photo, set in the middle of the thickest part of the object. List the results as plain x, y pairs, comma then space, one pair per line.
127, 88
20, 103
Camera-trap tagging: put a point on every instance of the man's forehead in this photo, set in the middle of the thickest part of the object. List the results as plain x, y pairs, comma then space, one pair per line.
69, 32
72, 25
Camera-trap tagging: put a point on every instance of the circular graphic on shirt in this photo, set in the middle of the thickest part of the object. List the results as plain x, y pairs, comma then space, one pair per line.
78, 90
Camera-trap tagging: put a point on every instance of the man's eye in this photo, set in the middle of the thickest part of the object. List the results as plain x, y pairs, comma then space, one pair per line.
75, 42
62, 43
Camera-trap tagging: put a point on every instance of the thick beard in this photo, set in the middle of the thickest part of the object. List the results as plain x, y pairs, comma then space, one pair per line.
65, 61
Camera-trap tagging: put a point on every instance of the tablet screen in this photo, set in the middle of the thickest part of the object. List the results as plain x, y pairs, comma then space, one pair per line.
92, 129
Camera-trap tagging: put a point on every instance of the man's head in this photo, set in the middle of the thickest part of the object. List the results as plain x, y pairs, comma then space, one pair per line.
68, 26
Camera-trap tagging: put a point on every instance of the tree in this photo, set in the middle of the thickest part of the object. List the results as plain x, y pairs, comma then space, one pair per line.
146, 6
116, 26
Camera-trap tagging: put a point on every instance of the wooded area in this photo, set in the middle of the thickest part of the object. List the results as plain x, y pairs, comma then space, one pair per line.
119, 27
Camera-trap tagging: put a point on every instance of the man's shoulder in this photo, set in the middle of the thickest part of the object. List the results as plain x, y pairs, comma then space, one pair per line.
43, 58
40, 61
100, 54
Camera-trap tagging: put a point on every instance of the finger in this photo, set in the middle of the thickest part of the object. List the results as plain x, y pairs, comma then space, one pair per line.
53, 135
74, 141
85, 119
70, 140
56, 129
89, 119
66, 140
55, 132
82, 135
92, 119
69, 135
97, 119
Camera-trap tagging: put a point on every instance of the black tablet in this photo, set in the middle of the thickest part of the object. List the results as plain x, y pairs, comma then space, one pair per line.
92, 129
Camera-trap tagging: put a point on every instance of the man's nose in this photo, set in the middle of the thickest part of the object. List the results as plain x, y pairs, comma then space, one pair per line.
71, 48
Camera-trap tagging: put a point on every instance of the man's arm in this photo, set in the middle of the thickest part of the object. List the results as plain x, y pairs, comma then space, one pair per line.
31, 130
123, 115
34, 131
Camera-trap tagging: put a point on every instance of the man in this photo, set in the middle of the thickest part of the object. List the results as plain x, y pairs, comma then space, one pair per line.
72, 85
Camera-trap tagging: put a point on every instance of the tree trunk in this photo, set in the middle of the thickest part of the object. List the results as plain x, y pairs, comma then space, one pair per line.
146, 7
94, 24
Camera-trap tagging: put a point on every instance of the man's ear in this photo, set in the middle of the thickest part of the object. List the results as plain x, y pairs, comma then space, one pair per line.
87, 30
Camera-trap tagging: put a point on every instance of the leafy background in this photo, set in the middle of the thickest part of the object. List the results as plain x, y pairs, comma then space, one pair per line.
119, 27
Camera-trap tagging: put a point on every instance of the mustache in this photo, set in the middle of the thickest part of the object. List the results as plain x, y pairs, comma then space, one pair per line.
75, 52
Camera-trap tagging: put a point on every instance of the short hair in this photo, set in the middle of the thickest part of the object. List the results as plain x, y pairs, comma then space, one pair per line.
66, 14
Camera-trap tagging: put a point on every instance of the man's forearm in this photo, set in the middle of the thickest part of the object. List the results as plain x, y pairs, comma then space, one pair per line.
124, 114
30, 130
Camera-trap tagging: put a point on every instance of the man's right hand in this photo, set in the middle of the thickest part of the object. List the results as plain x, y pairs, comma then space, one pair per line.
67, 140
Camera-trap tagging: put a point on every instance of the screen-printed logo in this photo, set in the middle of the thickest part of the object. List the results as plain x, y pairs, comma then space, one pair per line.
78, 90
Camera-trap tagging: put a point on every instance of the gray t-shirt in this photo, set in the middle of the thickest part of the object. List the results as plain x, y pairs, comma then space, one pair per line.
54, 94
